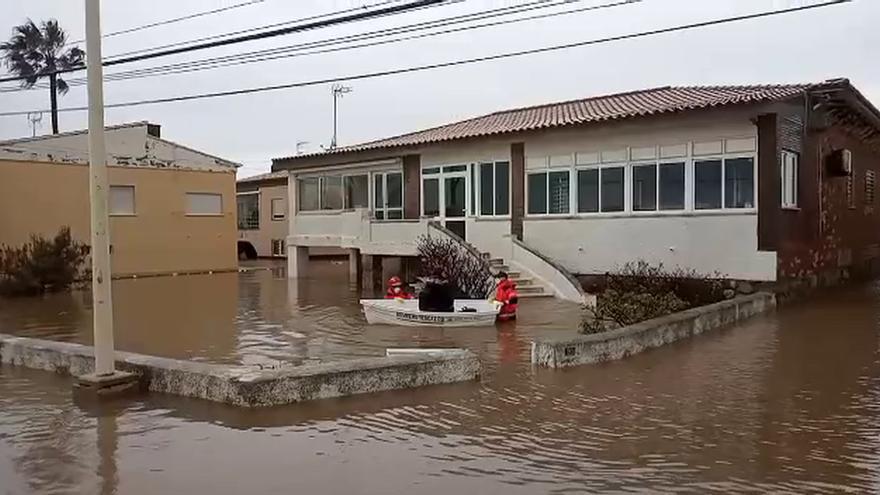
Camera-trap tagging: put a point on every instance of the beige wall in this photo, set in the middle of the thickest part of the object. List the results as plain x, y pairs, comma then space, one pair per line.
40, 197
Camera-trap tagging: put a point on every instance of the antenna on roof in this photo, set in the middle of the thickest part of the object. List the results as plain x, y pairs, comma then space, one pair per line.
34, 118
338, 91
299, 147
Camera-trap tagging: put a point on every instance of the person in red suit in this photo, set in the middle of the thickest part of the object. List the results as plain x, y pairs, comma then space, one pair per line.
395, 289
506, 294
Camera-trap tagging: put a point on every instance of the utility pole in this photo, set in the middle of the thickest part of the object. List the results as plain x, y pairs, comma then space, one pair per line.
338, 91
105, 379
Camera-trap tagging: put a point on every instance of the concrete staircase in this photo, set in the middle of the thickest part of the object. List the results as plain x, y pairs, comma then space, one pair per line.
526, 285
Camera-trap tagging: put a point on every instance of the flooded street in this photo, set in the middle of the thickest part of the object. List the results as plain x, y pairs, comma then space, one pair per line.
787, 403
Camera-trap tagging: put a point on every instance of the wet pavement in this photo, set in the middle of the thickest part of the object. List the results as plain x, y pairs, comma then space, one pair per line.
786, 403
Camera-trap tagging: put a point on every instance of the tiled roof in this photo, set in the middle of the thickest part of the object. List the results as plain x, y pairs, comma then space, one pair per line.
662, 100
282, 174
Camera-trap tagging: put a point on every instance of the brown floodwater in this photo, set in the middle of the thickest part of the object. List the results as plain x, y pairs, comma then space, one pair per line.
787, 403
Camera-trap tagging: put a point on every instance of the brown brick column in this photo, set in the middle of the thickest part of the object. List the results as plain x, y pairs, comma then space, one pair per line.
769, 183
518, 188
412, 186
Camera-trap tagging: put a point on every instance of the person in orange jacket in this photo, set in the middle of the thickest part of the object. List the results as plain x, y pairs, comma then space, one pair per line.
395, 289
507, 295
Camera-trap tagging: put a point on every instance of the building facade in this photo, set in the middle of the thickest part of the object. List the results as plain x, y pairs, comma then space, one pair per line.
171, 208
262, 205
754, 183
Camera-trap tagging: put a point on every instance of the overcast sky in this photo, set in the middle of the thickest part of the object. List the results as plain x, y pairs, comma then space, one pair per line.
839, 41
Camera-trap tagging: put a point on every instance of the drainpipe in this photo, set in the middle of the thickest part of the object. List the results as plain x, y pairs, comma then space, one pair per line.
102, 302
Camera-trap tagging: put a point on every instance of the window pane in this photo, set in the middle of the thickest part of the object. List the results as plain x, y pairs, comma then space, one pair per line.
612, 189
204, 204
707, 185
455, 168
430, 171
396, 214
502, 188
278, 208
308, 194
672, 186
395, 190
644, 187
331, 193
588, 191
248, 209
378, 192
432, 197
357, 191
537, 193
739, 189
121, 200
380, 215
559, 195
487, 189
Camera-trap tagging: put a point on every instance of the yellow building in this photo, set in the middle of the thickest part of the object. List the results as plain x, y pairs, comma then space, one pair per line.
172, 208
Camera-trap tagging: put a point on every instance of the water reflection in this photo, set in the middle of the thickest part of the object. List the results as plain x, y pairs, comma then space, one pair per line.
783, 404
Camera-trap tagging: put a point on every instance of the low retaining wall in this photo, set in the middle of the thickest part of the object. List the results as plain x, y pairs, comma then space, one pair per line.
248, 386
623, 342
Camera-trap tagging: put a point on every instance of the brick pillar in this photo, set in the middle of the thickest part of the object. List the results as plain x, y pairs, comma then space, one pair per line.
769, 183
518, 191
412, 186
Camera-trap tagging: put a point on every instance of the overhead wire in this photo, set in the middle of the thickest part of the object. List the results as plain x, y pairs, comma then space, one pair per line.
307, 49
454, 63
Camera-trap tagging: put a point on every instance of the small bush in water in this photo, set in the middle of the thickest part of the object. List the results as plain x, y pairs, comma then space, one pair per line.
639, 291
41, 265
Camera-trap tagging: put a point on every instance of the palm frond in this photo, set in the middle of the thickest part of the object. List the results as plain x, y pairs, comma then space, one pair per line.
61, 86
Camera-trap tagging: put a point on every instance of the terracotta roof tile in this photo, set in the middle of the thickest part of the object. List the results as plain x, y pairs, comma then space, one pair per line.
641, 103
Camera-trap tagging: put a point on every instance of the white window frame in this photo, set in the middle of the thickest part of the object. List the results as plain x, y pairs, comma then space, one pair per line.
478, 187
790, 178
626, 189
203, 193
385, 208
345, 205
259, 209
133, 211
274, 215
547, 172
724, 157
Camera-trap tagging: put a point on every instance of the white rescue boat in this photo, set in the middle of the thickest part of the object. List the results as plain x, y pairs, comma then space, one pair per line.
406, 312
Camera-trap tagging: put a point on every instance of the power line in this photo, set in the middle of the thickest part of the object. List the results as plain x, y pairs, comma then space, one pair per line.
300, 49
417, 4
259, 28
455, 63
175, 19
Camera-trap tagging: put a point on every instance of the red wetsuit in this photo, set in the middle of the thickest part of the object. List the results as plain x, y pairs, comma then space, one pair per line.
397, 293
507, 295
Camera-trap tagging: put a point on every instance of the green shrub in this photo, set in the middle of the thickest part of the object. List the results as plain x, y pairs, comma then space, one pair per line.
41, 265
639, 291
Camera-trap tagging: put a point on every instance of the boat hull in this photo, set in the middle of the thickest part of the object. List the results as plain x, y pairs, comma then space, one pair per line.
407, 313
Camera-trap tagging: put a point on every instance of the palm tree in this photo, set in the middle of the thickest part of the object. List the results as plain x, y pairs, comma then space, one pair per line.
35, 52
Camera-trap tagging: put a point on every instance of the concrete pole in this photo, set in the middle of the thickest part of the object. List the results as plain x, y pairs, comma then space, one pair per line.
99, 189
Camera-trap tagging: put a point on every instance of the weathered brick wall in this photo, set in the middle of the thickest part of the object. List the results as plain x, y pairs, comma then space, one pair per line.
831, 237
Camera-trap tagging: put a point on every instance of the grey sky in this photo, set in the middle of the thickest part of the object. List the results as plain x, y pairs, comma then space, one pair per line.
838, 41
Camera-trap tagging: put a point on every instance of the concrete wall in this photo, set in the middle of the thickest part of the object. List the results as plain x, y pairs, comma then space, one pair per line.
624, 342
40, 198
126, 145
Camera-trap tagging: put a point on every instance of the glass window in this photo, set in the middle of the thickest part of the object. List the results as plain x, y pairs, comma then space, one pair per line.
537, 187
379, 192
121, 200
789, 174
559, 192
455, 168
487, 189
502, 188
204, 204
432, 197
308, 194
279, 208
644, 187
331, 193
588, 191
357, 192
431, 171
396, 214
248, 209
395, 190
672, 186
739, 183
612, 189
707, 185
